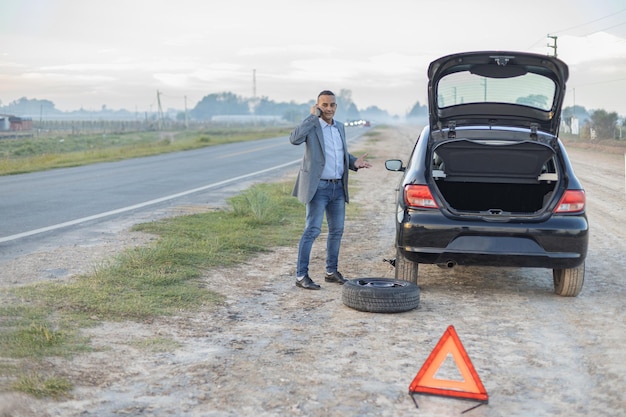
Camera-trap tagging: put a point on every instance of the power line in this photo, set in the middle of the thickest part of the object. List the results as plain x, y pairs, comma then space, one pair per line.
607, 28
581, 25
535, 43
601, 82
590, 22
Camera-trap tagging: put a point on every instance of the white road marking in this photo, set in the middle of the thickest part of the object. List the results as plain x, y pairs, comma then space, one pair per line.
140, 205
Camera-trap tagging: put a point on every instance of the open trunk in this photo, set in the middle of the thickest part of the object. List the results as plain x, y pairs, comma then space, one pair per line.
495, 177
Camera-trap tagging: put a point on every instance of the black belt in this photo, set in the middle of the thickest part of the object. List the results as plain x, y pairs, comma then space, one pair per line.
333, 181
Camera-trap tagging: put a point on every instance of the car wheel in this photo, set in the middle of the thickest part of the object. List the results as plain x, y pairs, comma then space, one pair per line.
568, 282
405, 269
380, 295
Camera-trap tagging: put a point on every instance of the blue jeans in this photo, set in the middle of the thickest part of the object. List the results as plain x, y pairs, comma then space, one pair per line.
330, 199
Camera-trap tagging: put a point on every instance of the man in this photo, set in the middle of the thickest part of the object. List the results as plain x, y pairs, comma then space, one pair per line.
322, 184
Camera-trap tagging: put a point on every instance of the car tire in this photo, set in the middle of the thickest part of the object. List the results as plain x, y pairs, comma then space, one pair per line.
568, 282
405, 270
380, 295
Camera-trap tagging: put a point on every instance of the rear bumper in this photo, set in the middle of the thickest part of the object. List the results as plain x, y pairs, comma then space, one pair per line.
429, 237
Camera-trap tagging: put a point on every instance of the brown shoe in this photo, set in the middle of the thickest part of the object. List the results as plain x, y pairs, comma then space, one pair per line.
335, 277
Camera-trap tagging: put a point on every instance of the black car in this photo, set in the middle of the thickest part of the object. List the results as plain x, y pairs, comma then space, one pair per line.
489, 182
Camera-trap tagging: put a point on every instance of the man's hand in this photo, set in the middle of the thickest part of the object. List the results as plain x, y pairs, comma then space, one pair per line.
316, 110
361, 162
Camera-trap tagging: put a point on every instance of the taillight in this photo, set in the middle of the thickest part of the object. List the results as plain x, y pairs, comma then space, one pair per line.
572, 201
419, 196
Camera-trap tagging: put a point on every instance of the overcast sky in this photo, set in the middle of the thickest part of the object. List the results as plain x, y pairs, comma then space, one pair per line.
118, 53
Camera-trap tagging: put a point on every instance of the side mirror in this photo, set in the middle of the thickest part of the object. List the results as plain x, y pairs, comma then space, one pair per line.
394, 165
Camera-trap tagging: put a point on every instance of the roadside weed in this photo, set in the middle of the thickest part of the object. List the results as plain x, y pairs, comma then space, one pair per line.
166, 277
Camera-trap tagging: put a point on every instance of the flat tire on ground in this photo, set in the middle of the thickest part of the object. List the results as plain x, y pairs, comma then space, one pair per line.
380, 295
405, 269
568, 282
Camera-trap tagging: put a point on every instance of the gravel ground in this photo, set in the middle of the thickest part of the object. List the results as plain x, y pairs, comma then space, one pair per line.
275, 350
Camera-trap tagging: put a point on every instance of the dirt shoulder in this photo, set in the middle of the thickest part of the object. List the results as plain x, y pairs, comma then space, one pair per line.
275, 350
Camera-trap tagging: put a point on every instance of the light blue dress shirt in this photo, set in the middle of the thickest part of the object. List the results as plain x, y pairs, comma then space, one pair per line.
333, 151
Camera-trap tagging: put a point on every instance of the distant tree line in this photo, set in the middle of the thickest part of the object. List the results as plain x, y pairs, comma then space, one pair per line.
592, 123
595, 124
216, 104
228, 103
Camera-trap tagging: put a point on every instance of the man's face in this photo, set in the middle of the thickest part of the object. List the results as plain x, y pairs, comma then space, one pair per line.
328, 106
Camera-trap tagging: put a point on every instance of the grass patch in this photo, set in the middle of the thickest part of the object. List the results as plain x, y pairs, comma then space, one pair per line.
39, 339
156, 344
40, 387
164, 278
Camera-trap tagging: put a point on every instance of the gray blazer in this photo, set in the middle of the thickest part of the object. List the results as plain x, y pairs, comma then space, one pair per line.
310, 133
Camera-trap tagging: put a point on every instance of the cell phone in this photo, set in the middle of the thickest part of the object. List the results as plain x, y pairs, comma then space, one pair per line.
318, 112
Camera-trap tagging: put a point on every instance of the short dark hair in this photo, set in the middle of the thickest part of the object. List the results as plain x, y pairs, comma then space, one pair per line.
325, 93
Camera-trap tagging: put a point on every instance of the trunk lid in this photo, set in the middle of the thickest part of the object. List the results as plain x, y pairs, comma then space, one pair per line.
496, 88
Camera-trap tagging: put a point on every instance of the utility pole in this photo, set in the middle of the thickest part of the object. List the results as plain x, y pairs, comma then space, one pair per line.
186, 114
160, 120
554, 38
254, 83
485, 88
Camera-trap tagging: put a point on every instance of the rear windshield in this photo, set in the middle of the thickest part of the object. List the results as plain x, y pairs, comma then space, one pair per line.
530, 90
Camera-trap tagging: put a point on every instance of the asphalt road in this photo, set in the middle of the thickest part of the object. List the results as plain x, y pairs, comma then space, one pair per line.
43, 205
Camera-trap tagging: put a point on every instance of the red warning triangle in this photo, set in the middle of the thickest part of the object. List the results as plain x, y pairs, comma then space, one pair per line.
425, 381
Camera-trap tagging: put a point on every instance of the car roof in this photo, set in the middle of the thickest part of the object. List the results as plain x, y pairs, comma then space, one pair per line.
497, 68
